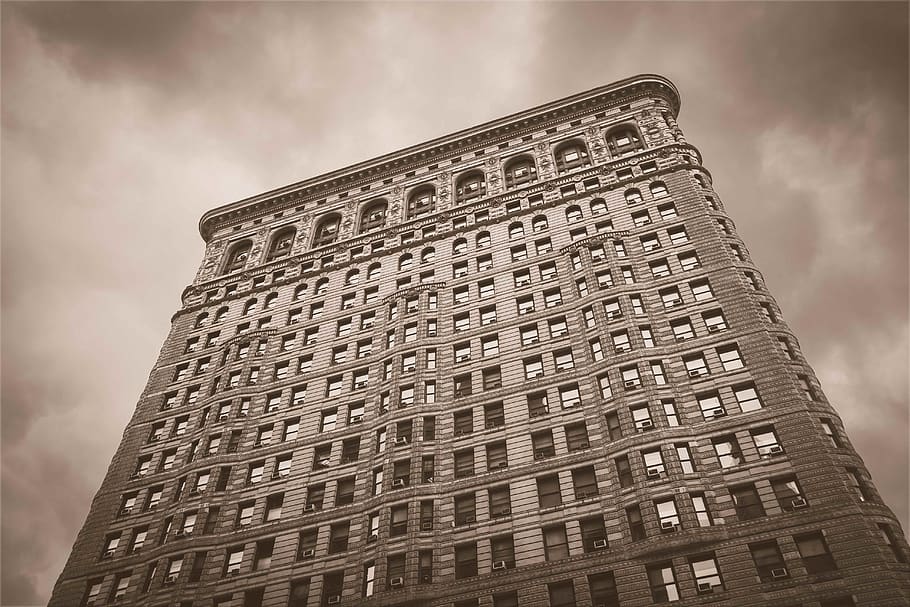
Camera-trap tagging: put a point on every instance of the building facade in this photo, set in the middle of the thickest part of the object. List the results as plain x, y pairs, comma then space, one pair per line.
529, 363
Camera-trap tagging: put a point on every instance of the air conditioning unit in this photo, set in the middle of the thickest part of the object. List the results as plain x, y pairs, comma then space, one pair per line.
462, 358
499, 565
583, 445
780, 572
108, 554
360, 384
667, 526
396, 582
629, 384
674, 303
223, 417
308, 553
408, 368
179, 532
126, 510
459, 393
718, 412
398, 483
171, 579
310, 508
242, 414
775, 449
426, 526
491, 425
154, 439
459, 432
694, 373
705, 587
799, 502
401, 440
234, 572
372, 538
501, 465
334, 600
614, 314
276, 475
469, 520
623, 348
713, 328
645, 424
653, 472
428, 479
600, 544
540, 454
356, 419
135, 475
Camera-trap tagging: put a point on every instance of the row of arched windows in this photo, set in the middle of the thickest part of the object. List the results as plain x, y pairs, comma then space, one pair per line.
422, 199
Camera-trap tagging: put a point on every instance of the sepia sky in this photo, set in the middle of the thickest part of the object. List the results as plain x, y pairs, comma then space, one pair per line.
123, 123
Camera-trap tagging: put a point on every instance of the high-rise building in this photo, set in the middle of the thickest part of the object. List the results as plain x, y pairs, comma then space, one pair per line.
530, 363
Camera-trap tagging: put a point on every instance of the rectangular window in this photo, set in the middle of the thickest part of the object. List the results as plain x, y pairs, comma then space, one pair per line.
706, 573
815, 553
728, 452
769, 562
556, 544
702, 514
662, 583
747, 502
548, 491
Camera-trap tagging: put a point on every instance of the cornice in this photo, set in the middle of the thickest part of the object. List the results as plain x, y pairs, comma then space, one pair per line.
442, 148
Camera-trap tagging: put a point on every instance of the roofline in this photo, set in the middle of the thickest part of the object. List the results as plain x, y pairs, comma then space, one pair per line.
452, 143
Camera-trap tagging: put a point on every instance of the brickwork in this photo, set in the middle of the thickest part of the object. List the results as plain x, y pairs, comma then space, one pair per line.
559, 385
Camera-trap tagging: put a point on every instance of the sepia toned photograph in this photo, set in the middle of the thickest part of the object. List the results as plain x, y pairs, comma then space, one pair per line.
455, 304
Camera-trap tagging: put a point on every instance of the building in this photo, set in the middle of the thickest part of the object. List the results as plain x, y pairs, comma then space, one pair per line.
529, 363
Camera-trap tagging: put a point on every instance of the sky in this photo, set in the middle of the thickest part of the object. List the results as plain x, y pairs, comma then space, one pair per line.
123, 123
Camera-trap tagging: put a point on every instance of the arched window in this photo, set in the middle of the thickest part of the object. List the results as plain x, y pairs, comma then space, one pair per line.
540, 223
422, 201
700, 180
405, 261
237, 256
516, 230
623, 140
428, 255
519, 170
201, 320
326, 230
353, 277
270, 300
300, 292
571, 155
469, 186
459, 246
281, 243
373, 216
573, 213
374, 271
249, 307
483, 240
322, 285
633, 196
658, 189
220, 314
598, 206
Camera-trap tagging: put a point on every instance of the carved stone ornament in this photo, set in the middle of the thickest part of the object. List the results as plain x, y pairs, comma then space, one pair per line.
550, 186
349, 205
542, 146
397, 190
592, 131
305, 220
493, 162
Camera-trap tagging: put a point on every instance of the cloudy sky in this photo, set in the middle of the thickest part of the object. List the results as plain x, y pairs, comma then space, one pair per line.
123, 123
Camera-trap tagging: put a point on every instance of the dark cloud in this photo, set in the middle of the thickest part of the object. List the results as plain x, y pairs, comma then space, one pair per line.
124, 122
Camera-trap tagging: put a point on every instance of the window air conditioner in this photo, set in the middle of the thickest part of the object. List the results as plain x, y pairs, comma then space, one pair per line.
401, 440
775, 449
360, 384
469, 520
614, 314
799, 502
356, 419
653, 472
540, 454
645, 424
126, 510
308, 553
223, 417
179, 532
310, 508
704, 587
107, 554
499, 565
334, 600
780, 572
398, 483
491, 425
583, 445
426, 526
629, 384
668, 526
713, 328
396, 582
171, 579
623, 348
234, 572
372, 538
718, 412
600, 544
694, 373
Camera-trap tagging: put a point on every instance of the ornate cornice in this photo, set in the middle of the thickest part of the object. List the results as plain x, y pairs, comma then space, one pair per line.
437, 150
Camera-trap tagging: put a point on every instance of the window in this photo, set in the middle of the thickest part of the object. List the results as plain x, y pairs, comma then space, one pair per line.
747, 398
702, 514
562, 594
701, 290
520, 170
815, 553
662, 583
556, 545
563, 360
548, 491
326, 230
730, 358
464, 463
689, 261
570, 155
641, 416
569, 396
654, 464
667, 211
465, 560
603, 589
636, 523
236, 258
769, 562
747, 502
714, 321
711, 405
705, 572
623, 140
728, 452
667, 515
788, 493
766, 442
262, 558
233, 560
421, 201
658, 189
657, 370
633, 196
696, 366
542, 443
631, 380
685, 458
